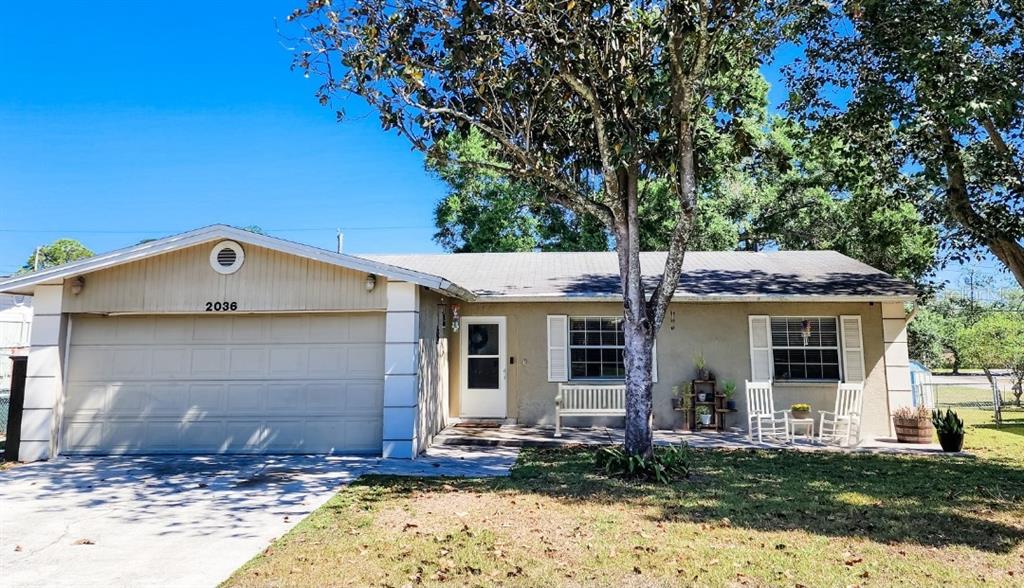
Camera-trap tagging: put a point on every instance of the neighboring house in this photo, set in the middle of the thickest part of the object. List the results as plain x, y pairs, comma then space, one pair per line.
222, 340
15, 325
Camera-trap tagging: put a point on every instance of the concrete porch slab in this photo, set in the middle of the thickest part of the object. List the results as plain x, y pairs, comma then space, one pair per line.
526, 436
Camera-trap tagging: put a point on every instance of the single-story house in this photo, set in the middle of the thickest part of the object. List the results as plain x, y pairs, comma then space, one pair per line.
221, 340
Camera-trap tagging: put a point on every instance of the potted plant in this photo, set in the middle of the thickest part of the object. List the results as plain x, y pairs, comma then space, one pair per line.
913, 424
728, 390
800, 410
677, 398
704, 414
701, 365
950, 428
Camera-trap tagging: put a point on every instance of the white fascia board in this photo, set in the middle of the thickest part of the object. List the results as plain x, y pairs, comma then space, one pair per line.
717, 298
26, 284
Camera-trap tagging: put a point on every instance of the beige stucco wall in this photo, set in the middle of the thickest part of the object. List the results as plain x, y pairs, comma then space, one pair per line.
720, 330
183, 281
433, 370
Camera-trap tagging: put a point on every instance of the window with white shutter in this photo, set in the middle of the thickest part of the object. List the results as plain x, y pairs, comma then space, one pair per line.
760, 348
558, 348
853, 348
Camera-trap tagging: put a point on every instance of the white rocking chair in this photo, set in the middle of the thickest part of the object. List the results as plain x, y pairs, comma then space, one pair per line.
842, 425
761, 414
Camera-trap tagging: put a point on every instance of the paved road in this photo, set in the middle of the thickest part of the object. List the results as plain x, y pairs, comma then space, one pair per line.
178, 521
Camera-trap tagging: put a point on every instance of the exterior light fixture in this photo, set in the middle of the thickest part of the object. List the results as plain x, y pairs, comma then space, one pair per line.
77, 284
371, 282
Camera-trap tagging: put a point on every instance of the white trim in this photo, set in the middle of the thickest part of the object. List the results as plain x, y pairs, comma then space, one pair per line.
464, 363
710, 298
859, 350
215, 257
553, 349
767, 348
25, 284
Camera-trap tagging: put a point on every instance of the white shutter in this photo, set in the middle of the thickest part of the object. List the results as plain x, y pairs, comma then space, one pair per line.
760, 348
654, 362
558, 348
853, 348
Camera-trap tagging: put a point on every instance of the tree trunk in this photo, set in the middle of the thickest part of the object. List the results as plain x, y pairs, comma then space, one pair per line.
637, 327
1004, 247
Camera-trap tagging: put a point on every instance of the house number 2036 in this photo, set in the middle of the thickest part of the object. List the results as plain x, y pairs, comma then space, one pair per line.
221, 306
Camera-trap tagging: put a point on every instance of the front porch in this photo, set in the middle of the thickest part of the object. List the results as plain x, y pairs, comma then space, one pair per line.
513, 435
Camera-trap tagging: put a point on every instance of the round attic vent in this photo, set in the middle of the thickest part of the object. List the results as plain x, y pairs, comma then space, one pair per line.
226, 257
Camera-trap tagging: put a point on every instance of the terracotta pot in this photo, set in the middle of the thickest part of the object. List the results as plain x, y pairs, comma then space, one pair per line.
800, 414
913, 430
951, 442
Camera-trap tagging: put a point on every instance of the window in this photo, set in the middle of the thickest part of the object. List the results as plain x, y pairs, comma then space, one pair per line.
805, 348
595, 348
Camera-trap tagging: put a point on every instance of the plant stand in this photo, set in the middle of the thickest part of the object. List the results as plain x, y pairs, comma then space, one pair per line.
713, 400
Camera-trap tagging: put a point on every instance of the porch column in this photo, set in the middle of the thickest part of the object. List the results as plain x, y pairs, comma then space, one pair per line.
401, 371
897, 357
44, 376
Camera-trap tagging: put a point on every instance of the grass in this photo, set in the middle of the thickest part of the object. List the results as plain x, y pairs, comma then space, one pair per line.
750, 518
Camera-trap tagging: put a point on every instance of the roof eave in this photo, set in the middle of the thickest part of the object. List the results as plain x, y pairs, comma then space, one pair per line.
26, 284
715, 298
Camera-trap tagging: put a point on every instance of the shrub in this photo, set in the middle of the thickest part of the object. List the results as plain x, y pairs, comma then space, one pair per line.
665, 465
800, 407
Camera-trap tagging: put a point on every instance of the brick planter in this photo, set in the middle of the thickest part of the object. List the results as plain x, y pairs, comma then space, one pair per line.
913, 430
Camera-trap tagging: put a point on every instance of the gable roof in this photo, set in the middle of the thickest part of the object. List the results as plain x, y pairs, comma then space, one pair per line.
25, 284
707, 275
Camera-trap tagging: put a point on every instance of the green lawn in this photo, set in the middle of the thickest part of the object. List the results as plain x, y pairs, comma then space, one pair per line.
744, 518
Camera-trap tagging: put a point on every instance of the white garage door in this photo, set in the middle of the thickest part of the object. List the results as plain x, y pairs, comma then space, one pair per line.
225, 384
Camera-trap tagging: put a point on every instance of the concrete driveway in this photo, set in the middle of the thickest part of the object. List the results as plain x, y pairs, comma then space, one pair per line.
177, 521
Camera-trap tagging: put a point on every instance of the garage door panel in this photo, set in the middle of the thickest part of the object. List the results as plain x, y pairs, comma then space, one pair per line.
169, 362
365, 361
288, 361
247, 362
214, 329
209, 362
367, 397
212, 384
246, 398
247, 331
91, 363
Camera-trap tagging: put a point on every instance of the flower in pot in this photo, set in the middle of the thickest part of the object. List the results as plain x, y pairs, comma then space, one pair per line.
913, 424
704, 414
728, 390
800, 410
950, 428
701, 365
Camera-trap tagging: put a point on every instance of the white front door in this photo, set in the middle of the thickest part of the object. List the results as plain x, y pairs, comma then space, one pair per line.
484, 370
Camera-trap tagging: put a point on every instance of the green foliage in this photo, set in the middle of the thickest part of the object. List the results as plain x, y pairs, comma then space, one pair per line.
948, 423
997, 342
930, 93
934, 333
925, 335
57, 253
800, 407
729, 389
703, 410
665, 464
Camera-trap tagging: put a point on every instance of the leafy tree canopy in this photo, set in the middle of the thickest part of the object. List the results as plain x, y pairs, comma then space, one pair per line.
59, 252
930, 90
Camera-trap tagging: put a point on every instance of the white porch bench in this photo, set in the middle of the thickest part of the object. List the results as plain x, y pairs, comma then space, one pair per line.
588, 400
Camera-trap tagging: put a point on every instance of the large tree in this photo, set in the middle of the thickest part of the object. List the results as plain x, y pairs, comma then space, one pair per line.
59, 252
933, 89
588, 101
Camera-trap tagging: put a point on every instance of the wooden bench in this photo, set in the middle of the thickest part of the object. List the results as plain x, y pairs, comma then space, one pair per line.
588, 400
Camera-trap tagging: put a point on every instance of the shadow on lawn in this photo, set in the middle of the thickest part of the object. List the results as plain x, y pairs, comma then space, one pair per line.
935, 502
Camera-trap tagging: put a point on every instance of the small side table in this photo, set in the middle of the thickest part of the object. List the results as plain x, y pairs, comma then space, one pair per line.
807, 424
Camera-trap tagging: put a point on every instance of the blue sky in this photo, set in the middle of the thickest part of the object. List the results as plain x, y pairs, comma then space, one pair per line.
168, 116
123, 121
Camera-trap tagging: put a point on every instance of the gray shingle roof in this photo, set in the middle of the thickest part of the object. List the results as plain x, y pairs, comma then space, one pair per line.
705, 274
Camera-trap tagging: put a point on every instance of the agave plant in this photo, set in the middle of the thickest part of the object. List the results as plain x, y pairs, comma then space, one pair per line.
948, 423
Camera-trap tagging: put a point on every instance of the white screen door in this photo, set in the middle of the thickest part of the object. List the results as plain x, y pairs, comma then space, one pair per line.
484, 368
